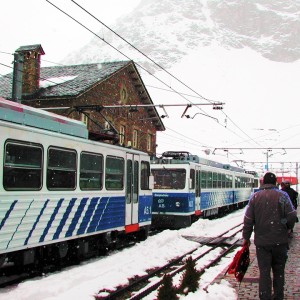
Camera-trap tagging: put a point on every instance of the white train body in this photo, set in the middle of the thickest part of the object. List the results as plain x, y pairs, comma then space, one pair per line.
57, 186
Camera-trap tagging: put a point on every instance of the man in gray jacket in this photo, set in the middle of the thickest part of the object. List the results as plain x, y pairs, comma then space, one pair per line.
271, 215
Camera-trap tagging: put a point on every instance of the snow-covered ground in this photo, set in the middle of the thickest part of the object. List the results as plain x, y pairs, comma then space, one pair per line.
84, 281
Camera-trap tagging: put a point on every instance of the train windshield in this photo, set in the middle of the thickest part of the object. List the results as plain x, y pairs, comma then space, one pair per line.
169, 178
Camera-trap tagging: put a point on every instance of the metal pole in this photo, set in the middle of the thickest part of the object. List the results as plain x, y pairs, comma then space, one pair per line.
297, 176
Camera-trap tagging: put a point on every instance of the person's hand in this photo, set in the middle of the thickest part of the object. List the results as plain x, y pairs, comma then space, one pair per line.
246, 243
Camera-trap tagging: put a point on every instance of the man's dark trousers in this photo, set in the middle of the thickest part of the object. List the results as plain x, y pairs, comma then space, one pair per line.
271, 257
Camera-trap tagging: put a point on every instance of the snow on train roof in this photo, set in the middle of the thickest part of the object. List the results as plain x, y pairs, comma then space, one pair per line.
34, 117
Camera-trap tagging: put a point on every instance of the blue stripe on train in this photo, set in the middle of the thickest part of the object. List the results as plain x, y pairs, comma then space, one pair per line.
100, 210
64, 219
216, 199
88, 215
36, 222
76, 217
8, 213
110, 212
59, 203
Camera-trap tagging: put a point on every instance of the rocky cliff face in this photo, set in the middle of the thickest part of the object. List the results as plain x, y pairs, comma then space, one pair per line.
167, 30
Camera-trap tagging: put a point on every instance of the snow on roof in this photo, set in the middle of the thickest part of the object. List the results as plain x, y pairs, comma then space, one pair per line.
55, 80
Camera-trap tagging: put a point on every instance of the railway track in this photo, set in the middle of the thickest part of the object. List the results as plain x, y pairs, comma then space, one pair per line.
140, 287
11, 274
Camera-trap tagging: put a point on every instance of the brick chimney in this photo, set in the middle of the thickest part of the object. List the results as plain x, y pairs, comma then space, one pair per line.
26, 76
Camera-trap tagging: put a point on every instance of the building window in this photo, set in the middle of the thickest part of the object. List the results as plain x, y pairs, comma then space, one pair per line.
135, 139
85, 119
149, 142
122, 135
123, 94
107, 125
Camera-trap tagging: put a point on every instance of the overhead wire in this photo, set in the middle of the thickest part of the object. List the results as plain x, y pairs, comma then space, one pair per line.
142, 66
200, 96
147, 71
135, 48
158, 65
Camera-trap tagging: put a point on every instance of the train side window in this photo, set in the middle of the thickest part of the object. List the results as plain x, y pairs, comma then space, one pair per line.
129, 176
203, 179
223, 180
22, 166
61, 170
91, 171
229, 181
192, 176
197, 187
209, 180
237, 182
145, 173
215, 180
219, 180
242, 182
248, 182
114, 173
136, 182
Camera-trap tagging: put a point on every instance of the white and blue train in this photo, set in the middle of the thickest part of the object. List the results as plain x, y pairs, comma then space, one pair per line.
62, 194
187, 187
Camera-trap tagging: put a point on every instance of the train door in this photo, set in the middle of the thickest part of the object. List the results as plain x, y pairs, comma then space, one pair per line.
132, 188
197, 190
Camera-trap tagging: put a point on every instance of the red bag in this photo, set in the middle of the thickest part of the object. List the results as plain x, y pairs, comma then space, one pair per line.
240, 263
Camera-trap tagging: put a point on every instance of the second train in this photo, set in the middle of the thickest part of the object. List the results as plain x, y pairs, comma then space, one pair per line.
187, 187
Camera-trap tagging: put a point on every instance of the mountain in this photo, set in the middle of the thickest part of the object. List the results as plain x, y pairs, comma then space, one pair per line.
242, 53
168, 30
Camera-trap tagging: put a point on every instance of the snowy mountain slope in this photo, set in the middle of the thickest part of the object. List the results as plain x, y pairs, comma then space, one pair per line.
242, 53
167, 30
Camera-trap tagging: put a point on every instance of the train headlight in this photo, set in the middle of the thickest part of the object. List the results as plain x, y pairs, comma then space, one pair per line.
177, 204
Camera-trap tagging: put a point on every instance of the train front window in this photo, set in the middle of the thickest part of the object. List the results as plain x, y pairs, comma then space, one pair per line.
169, 178
22, 166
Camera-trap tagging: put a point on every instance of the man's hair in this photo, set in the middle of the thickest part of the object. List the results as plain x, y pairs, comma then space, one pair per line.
269, 178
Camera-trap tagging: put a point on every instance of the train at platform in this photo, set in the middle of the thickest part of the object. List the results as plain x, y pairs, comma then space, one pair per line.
187, 187
62, 195
65, 197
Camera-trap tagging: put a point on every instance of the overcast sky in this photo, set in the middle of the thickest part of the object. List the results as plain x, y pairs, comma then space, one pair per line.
38, 22
253, 102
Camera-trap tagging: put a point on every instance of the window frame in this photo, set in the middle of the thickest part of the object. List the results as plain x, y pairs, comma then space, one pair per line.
91, 171
62, 172
11, 167
114, 174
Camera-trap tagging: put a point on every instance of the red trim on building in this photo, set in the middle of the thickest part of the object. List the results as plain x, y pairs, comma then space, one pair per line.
292, 179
